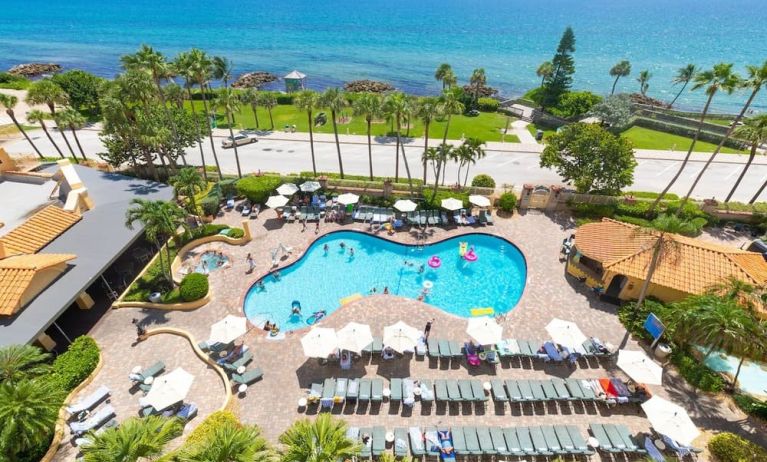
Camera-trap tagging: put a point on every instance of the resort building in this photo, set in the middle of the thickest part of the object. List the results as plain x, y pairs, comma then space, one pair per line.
615, 256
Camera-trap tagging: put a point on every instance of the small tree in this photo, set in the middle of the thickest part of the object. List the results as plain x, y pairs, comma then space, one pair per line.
135, 439
544, 71
622, 69
591, 158
614, 111
321, 440
644, 81
161, 220
9, 102
188, 182
564, 67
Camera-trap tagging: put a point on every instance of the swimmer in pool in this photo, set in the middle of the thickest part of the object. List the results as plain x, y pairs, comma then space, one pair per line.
351, 251
386, 290
342, 245
277, 275
421, 268
325, 248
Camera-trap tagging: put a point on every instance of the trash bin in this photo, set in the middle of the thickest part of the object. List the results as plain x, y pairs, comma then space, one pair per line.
662, 351
538, 135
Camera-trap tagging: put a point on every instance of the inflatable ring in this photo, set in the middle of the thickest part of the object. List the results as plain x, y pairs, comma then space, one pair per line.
470, 256
428, 284
435, 262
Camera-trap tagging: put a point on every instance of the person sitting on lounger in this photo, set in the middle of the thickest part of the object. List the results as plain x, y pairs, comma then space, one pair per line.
387, 353
447, 450
365, 439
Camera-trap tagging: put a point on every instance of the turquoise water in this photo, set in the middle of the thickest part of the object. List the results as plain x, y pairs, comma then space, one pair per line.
752, 378
319, 280
212, 260
401, 41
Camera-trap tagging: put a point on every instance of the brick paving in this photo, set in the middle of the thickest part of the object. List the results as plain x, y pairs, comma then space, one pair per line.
272, 402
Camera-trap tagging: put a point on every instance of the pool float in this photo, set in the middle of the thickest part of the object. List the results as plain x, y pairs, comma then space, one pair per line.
470, 255
316, 316
462, 248
435, 262
428, 284
482, 311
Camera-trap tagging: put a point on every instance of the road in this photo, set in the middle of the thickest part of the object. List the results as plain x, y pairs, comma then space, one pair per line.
509, 163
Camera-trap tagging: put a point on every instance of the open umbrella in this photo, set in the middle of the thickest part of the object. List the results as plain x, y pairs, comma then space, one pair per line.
670, 419
276, 201
405, 205
565, 333
479, 201
452, 204
228, 329
320, 342
354, 337
310, 186
169, 389
348, 199
400, 337
640, 367
484, 330
287, 189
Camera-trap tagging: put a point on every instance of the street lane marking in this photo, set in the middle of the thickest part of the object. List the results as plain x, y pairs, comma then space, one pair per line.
665, 169
733, 172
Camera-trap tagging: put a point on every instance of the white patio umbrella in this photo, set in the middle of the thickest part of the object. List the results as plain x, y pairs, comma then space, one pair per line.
320, 342
228, 329
479, 201
169, 389
348, 199
400, 337
484, 330
565, 333
405, 205
452, 204
310, 186
640, 367
276, 201
287, 189
354, 337
670, 419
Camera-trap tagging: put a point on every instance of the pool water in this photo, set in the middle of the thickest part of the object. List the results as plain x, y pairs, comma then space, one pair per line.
752, 378
212, 260
320, 279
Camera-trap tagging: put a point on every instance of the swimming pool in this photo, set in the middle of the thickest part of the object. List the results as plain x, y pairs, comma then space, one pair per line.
321, 279
211, 261
752, 378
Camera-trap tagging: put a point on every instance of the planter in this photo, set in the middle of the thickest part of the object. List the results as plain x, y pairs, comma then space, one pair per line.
662, 351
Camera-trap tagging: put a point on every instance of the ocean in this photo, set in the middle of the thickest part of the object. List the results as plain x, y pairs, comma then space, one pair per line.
400, 41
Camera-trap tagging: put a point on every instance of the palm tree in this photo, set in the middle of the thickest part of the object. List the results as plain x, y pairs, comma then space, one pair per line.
251, 96
28, 412
477, 80
369, 106
334, 99
228, 101
308, 101
73, 120
754, 347
222, 69
443, 74
47, 92
754, 130
188, 182
9, 102
269, 101
544, 71
201, 71
450, 104
427, 110
36, 115
230, 442
644, 81
19, 362
622, 69
135, 439
161, 220
437, 157
184, 65
321, 440
757, 78
720, 77
475, 152
175, 95
396, 105
684, 75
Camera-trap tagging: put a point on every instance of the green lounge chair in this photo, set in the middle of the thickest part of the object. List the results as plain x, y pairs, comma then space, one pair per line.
486, 441
551, 439
514, 394
465, 389
601, 435
578, 442
548, 390
472, 441
376, 390
244, 360
427, 397
537, 390
615, 437
401, 446
342, 384
248, 377
453, 392
527, 390
377, 347
564, 439
433, 346
478, 391
417, 447
523, 433
152, 370
588, 392
379, 440
561, 389
366, 450
574, 387
512, 442
353, 389
328, 389
539, 442
629, 440
364, 390
459, 442
440, 390
396, 389
444, 349
525, 350
455, 350
499, 393
499, 442
315, 390
431, 441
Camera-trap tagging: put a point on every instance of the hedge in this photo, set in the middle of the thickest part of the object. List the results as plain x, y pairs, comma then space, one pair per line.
284, 99
696, 373
76, 364
258, 188
436, 203
483, 181
751, 406
507, 202
488, 105
687, 132
236, 233
728, 447
193, 287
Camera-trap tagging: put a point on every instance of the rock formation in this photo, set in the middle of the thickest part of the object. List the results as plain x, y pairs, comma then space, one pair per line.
34, 69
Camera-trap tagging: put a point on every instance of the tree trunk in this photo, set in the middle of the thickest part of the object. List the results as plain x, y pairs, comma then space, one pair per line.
271, 120
447, 127
210, 133
338, 144
650, 270
677, 95
396, 153
169, 116
170, 271
436, 179
311, 142
756, 196
370, 149
23, 132
255, 112
77, 141
150, 165
199, 138
425, 147
50, 138
66, 140
615, 82
737, 373
404, 159
751, 156
234, 145
466, 178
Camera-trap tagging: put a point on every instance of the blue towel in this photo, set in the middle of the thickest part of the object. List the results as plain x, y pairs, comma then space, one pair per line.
552, 351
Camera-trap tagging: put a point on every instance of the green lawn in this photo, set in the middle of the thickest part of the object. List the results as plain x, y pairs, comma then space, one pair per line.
532, 128
486, 126
644, 138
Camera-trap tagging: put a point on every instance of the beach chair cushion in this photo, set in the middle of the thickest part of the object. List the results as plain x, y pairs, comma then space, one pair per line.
99, 394
499, 442
514, 393
416, 441
599, 433
453, 390
328, 388
433, 346
379, 440
440, 388
485, 441
93, 421
551, 439
427, 391
539, 441
512, 442
459, 441
564, 439
153, 370
401, 446
353, 389
396, 389
466, 392
248, 377
523, 433
376, 390
472, 440
365, 388
431, 441
499, 393
579, 443
478, 391
455, 349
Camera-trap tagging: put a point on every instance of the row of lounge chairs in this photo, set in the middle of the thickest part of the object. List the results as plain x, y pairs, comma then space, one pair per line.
584, 390
365, 213
549, 351
615, 439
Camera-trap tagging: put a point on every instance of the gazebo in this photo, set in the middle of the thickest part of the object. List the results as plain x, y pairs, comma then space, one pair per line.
294, 81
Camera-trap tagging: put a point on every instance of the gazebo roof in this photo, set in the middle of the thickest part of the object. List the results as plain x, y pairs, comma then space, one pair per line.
295, 75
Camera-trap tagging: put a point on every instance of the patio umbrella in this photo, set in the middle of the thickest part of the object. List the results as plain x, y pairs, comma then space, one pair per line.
479, 201
348, 199
400, 337
452, 204
276, 201
228, 329
640, 367
287, 189
484, 330
405, 205
354, 337
169, 389
565, 333
320, 342
310, 186
670, 419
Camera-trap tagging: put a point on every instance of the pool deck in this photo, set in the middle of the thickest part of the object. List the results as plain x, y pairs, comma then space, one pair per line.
272, 402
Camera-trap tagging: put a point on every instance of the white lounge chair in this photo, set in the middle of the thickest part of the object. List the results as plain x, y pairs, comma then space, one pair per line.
90, 401
94, 421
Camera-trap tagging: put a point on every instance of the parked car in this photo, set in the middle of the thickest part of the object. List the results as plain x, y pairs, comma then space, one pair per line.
240, 138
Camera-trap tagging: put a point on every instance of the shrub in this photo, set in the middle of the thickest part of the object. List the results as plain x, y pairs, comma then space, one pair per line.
488, 105
575, 103
236, 233
728, 447
507, 202
594, 211
436, 203
483, 181
638, 209
76, 364
210, 205
205, 430
81, 87
651, 195
258, 188
227, 187
634, 220
697, 373
194, 286
634, 322
14, 82
283, 98
751, 406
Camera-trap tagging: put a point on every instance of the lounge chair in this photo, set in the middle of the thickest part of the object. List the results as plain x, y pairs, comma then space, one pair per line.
472, 358
525, 441
455, 350
395, 386
525, 349
499, 393
427, 391
453, 390
444, 349
472, 441
601, 435
88, 440
629, 440
548, 390
464, 387
615, 437
89, 402
376, 390
416, 441
328, 392
499, 442
678, 449
512, 442
551, 439
459, 441
578, 442
375, 348
514, 393
537, 389
553, 352
486, 441
539, 442
478, 391
150, 371
440, 388
446, 445
248, 377
433, 346
526, 390
242, 361
353, 433
431, 441
339, 396
94, 421
574, 388
366, 450
365, 387
562, 393
408, 392
353, 389
401, 447
420, 347
564, 439
379, 440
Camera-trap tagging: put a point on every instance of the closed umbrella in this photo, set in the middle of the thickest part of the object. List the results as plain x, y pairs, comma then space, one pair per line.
670, 419
320, 342
640, 367
310, 186
484, 330
276, 201
400, 337
405, 205
479, 201
565, 333
348, 199
451, 204
354, 337
228, 329
169, 389
287, 189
